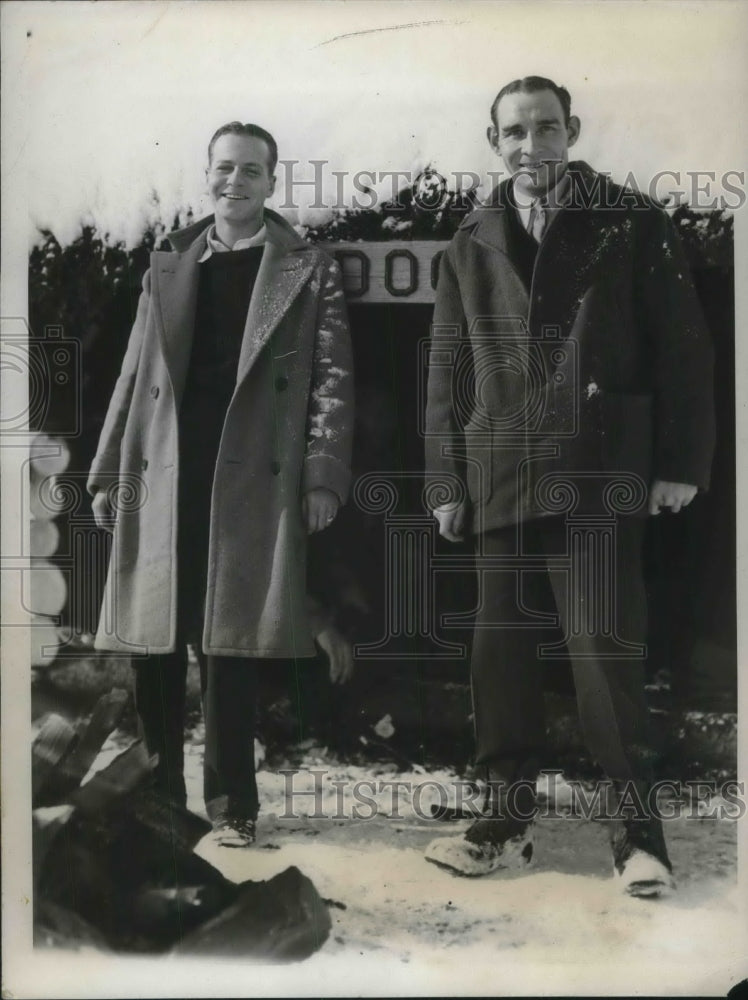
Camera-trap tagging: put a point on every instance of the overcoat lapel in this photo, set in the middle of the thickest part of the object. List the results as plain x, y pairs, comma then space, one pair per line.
279, 280
577, 243
506, 299
176, 281
490, 228
281, 276
585, 239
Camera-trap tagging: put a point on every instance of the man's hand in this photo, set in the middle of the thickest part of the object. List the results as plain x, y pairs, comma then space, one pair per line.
451, 521
102, 511
672, 495
339, 653
319, 508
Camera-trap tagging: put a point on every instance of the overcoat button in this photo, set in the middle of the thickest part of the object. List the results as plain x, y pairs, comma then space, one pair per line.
154, 391
281, 383
144, 464
275, 468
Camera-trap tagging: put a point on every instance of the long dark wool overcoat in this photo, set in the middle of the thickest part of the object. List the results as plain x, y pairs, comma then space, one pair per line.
543, 394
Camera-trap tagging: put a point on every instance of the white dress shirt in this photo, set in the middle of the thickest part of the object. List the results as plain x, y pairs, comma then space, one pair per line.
215, 245
550, 204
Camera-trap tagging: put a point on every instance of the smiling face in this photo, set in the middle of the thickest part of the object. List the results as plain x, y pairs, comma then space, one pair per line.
533, 140
239, 183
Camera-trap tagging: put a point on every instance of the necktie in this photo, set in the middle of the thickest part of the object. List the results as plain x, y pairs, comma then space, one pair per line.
538, 220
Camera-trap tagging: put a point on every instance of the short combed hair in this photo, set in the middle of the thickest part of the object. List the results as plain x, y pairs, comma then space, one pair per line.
252, 132
531, 85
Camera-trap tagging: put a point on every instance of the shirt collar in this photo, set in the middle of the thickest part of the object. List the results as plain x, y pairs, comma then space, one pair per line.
552, 200
560, 195
214, 245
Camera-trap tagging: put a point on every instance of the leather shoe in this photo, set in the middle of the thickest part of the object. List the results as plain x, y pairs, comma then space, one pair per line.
234, 831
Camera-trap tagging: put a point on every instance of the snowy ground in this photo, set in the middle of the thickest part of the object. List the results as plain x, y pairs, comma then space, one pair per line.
403, 925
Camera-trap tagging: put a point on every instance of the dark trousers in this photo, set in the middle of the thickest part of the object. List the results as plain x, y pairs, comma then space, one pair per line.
507, 669
228, 684
229, 691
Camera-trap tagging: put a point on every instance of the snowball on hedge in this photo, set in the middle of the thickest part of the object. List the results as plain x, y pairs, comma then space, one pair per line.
314, 218
430, 189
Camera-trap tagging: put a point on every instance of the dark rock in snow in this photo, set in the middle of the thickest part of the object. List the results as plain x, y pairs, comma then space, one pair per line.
281, 920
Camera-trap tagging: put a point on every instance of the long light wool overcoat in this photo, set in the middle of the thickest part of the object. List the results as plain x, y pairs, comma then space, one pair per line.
288, 428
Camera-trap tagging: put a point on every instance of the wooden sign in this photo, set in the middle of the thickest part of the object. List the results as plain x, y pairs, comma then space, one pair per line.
403, 271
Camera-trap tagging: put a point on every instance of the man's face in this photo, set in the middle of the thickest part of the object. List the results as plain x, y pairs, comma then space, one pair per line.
239, 179
533, 140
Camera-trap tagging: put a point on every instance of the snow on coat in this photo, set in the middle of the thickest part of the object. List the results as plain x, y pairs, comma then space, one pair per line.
288, 429
541, 398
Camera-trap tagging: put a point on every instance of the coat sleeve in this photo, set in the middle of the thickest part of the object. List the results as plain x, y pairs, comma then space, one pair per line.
329, 426
444, 434
670, 311
106, 463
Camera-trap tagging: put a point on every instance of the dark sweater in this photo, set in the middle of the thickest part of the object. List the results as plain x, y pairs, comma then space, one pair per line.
226, 283
224, 292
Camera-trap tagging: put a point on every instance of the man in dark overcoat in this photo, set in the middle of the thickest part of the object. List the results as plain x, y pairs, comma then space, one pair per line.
227, 441
569, 396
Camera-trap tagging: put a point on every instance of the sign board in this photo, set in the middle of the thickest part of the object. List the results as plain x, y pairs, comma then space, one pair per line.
404, 271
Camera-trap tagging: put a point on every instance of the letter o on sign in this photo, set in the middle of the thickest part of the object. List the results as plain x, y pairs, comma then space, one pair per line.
401, 272
354, 266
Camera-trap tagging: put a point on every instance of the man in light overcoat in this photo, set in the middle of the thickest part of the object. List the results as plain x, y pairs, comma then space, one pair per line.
226, 442
569, 397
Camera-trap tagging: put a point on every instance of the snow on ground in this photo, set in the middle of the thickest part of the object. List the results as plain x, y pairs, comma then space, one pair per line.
402, 909
560, 927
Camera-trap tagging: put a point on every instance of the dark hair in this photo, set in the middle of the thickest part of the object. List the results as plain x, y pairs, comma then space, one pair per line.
531, 85
252, 132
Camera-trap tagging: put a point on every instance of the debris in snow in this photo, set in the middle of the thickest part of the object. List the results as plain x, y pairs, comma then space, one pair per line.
384, 727
334, 902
